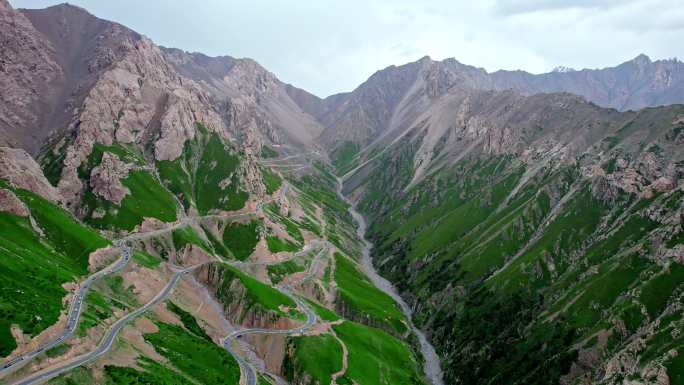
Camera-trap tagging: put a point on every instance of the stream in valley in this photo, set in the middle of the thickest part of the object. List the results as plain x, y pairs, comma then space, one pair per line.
432, 365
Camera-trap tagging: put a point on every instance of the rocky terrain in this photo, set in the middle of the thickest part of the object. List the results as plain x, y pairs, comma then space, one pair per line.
532, 223
537, 237
379, 104
188, 161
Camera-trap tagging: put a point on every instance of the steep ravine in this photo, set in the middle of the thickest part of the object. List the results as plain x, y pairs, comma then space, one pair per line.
432, 366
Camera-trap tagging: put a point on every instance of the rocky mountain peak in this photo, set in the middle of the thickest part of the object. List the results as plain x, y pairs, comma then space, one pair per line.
248, 74
641, 60
561, 69
425, 59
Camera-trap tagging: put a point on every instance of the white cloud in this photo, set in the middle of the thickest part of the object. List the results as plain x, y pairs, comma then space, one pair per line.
524, 6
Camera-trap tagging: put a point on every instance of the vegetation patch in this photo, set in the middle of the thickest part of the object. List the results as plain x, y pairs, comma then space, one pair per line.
316, 356
357, 291
216, 244
206, 175
198, 359
268, 152
145, 259
188, 236
153, 374
218, 167
189, 322
147, 198
281, 270
256, 293
97, 309
675, 370
34, 267
323, 312
291, 226
376, 358
276, 244
344, 156
57, 351
76, 376
656, 292
241, 238
271, 180
127, 153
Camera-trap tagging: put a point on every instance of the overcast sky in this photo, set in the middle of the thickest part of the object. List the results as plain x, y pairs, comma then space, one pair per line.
327, 46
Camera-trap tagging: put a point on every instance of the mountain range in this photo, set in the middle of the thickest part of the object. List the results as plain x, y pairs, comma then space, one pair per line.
526, 228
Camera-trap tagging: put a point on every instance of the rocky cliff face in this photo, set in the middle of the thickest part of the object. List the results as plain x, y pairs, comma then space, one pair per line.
538, 236
85, 81
19, 169
55, 55
27, 68
252, 100
550, 217
387, 99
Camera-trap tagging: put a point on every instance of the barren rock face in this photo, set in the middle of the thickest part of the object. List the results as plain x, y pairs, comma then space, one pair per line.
11, 204
140, 99
20, 169
27, 67
106, 178
255, 106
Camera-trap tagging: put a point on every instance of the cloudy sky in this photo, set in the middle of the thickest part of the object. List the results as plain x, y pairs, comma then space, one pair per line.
328, 46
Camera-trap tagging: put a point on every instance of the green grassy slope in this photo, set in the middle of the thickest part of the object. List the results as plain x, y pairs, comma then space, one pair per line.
318, 356
376, 358
542, 267
241, 238
34, 267
147, 197
360, 299
206, 175
198, 359
254, 295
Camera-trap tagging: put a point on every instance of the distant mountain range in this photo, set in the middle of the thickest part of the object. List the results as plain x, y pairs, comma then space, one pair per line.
361, 115
533, 223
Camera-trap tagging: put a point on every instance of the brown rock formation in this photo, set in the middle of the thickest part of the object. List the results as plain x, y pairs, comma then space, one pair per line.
11, 204
27, 68
21, 170
106, 178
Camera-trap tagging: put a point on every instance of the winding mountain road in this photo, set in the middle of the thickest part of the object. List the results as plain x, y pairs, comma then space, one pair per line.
75, 309
311, 318
108, 339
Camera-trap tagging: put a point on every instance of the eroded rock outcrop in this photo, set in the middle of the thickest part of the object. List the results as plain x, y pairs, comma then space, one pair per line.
21, 170
141, 99
11, 204
106, 178
27, 68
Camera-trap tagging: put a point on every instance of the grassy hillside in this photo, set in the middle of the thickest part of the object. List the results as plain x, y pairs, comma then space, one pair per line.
206, 175
376, 358
317, 356
520, 277
197, 359
360, 299
52, 248
253, 295
241, 238
36, 262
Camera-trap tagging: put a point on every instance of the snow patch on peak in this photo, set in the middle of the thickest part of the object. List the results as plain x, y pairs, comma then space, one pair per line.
563, 69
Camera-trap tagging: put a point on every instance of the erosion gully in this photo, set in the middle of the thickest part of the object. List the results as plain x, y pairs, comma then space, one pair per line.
432, 367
